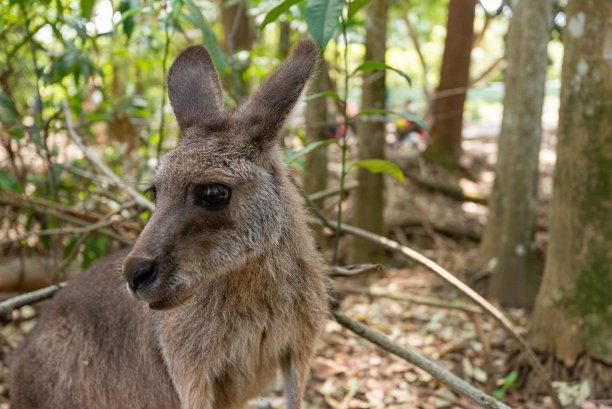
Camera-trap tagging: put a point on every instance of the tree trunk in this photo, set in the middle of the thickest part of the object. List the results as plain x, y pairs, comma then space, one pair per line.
368, 198
573, 311
242, 38
445, 145
315, 178
508, 245
284, 39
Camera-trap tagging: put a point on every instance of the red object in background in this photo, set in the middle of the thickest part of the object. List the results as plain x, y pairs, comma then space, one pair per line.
336, 131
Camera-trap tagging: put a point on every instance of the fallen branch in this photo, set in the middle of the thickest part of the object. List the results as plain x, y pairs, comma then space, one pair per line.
442, 375
449, 189
470, 293
451, 230
430, 301
7, 306
141, 200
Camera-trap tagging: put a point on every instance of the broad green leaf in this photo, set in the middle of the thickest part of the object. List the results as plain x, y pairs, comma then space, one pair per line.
380, 166
322, 18
87, 7
273, 14
377, 66
7, 182
209, 39
291, 156
128, 18
355, 6
330, 94
412, 117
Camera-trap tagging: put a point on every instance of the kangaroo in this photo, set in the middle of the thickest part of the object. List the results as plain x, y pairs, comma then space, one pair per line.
224, 284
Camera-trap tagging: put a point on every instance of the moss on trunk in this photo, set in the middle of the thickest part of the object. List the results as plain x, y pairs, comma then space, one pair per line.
573, 313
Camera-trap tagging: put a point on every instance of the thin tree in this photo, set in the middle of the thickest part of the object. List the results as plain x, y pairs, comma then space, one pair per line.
368, 204
317, 130
445, 146
572, 320
508, 246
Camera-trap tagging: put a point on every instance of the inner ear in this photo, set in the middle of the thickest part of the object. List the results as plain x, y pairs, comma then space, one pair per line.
194, 89
264, 114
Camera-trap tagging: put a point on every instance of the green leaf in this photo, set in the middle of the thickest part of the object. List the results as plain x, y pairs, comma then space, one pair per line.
273, 14
330, 94
322, 18
7, 109
380, 166
412, 117
70, 246
87, 7
510, 379
291, 156
355, 6
209, 39
127, 16
7, 182
499, 394
377, 66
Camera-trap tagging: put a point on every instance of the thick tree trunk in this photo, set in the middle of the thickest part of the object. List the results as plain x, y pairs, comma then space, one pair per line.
573, 311
508, 245
315, 178
445, 145
368, 198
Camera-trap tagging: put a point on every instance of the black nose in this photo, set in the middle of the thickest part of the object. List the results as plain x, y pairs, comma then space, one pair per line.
144, 274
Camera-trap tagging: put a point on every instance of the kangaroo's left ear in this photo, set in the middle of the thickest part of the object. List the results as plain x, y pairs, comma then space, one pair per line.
265, 112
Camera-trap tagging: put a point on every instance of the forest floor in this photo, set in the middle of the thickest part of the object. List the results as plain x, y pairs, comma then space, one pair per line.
349, 372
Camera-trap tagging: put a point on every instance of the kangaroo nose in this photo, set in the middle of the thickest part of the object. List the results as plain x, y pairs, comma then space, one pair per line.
142, 274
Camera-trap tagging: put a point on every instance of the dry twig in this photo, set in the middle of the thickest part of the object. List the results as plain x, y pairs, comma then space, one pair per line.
29, 298
355, 269
442, 375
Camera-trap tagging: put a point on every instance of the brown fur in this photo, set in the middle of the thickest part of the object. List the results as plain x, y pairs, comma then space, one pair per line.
239, 292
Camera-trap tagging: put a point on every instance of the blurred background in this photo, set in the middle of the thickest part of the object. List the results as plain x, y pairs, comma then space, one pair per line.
478, 133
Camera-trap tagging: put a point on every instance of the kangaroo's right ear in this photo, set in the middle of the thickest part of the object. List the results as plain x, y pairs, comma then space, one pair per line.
194, 89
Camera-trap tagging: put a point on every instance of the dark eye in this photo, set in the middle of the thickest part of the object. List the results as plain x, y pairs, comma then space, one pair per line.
213, 196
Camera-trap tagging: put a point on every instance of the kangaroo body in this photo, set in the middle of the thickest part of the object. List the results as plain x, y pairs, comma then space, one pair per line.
225, 285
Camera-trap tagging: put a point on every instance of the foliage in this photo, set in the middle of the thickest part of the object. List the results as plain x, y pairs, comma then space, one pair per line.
107, 61
509, 381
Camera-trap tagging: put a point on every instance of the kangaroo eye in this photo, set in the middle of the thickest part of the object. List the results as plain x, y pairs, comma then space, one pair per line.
213, 196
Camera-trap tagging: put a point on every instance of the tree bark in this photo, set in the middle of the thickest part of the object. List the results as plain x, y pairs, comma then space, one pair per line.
573, 310
368, 199
445, 145
315, 179
284, 39
508, 247
242, 40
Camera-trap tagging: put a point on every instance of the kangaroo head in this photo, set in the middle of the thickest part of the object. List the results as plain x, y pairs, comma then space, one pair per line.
219, 194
